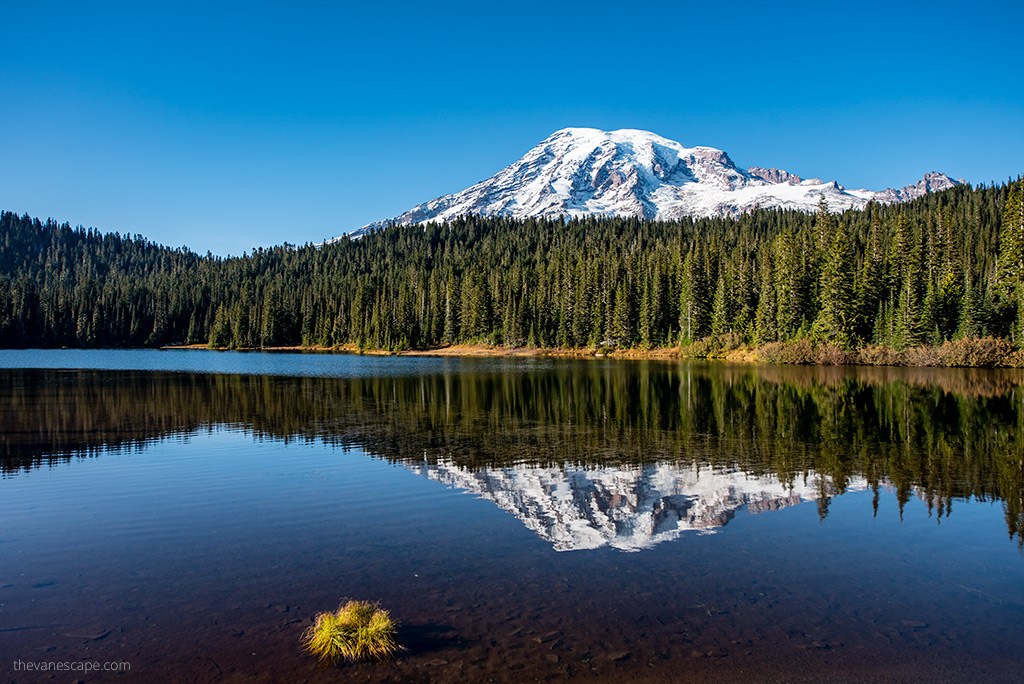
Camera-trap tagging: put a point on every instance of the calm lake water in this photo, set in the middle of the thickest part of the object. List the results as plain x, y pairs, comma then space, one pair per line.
188, 512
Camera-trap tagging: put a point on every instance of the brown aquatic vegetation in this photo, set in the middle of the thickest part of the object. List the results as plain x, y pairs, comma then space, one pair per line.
357, 630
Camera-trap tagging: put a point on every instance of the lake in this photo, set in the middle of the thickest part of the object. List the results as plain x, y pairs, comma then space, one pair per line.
189, 512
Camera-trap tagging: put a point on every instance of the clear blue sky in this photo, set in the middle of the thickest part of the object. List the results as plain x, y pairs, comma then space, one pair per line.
224, 126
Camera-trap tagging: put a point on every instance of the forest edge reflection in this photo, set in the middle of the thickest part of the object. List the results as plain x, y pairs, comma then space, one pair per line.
939, 434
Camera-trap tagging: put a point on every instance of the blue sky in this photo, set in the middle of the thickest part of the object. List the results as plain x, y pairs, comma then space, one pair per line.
224, 126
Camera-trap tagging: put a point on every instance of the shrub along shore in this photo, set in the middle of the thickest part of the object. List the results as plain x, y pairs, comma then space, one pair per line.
972, 352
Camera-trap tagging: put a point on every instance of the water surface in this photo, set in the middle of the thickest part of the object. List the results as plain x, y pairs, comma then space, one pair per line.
523, 518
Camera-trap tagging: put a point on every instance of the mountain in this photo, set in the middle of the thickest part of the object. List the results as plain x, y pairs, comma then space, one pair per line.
588, 172
628, 508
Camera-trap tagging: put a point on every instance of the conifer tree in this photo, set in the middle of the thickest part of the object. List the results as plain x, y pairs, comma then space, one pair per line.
451, 312
1011, 253
721, 310
270, 323
220, 332
910, 314
870, 283
622, 319
693, 298
897, 257
766, 315
950, 291
837, 311
788, 284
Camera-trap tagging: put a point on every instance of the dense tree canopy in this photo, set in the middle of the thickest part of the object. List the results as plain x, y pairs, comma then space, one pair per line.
942, 267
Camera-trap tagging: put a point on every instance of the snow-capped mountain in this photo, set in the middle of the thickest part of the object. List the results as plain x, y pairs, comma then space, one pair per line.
626, 508
585, 171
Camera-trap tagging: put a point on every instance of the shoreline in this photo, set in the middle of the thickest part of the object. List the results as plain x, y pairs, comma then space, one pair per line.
454, 350
965, 353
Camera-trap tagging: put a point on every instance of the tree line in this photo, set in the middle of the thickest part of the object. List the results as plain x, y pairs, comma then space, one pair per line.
946, 266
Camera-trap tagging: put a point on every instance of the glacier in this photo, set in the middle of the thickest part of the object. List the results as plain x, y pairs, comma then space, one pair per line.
580, 172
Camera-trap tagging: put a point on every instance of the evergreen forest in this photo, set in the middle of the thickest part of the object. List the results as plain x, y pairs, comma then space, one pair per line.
947, 266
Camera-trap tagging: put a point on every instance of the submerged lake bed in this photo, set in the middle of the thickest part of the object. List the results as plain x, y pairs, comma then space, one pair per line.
523, 519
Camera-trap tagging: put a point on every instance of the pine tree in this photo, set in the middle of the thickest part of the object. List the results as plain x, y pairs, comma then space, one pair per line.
950, 277
910, 319
1011, 252
870, 282
220, 332
270, 322
721, 311
766, 315
837, 315
693, 298
898, 250
623, 317
788, 284
451, 311
950, 300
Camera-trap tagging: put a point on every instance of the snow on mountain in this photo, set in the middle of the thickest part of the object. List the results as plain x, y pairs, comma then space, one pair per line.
589, 172
626, 508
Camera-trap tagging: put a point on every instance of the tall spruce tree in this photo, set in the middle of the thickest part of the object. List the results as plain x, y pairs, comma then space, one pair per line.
871, 281
837, 313
1011, 253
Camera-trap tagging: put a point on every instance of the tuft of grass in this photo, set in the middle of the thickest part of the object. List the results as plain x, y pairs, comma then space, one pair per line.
358, 630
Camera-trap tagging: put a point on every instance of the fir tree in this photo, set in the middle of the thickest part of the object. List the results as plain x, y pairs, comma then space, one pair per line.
1011, 253
837, 315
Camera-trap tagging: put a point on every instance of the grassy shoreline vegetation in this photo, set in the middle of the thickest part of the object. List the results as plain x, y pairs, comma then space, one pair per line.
936, 281
987, 352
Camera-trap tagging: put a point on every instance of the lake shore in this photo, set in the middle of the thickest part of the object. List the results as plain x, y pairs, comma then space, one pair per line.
463, 350
985, 352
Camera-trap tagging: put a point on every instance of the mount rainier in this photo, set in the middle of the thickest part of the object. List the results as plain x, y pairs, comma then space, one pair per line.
589, 172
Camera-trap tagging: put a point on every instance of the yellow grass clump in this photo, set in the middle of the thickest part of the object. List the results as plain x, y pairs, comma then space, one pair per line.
358, 630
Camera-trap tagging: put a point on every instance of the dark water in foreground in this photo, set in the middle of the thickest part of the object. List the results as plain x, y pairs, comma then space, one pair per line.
523, 519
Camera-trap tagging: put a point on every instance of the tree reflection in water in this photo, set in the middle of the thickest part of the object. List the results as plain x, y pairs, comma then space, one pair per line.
939, 434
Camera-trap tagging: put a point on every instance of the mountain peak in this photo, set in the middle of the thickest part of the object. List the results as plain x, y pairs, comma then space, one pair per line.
580, 171
620, 135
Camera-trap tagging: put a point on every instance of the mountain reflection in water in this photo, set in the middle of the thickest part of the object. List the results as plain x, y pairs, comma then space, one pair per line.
584, 453
627, 507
